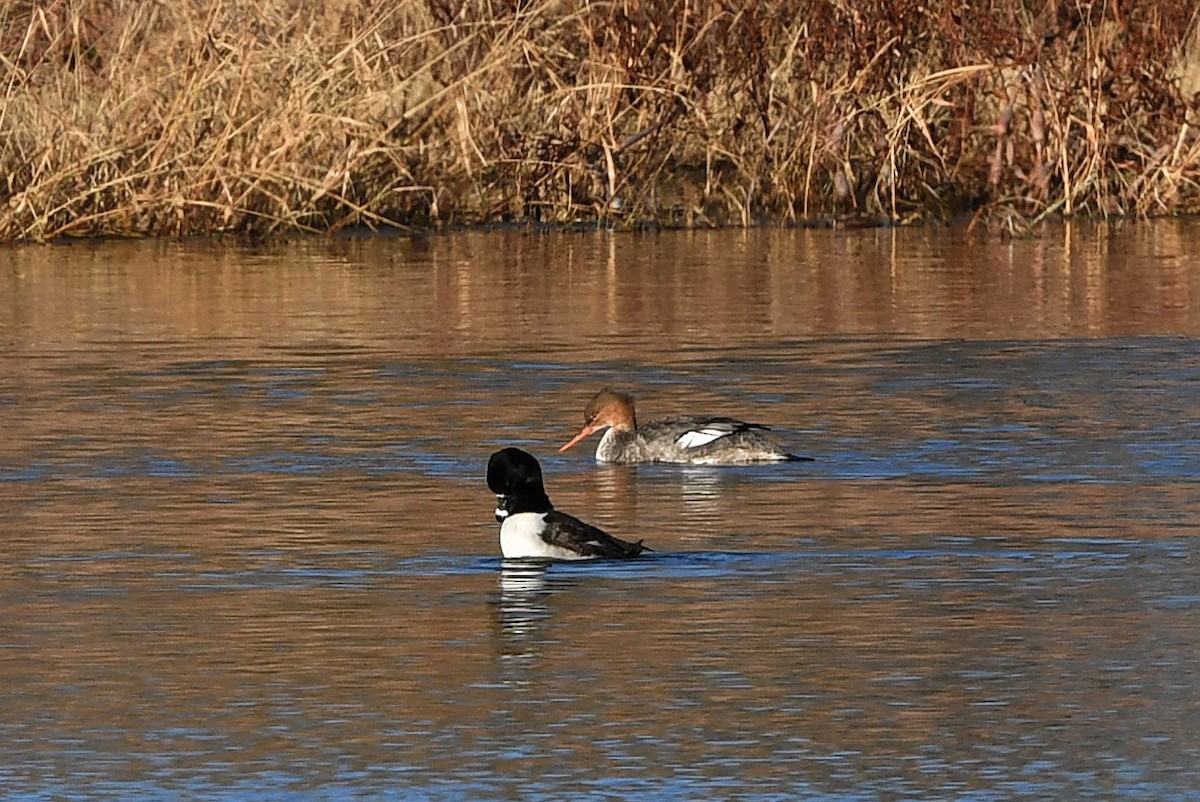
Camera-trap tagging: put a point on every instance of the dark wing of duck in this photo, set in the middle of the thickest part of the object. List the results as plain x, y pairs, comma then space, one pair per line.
571, 533
707, 429
700, 433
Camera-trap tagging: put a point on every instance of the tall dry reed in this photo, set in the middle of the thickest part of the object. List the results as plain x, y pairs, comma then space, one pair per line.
126, 117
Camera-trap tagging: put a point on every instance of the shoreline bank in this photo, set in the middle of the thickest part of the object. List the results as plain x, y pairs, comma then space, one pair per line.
130, 119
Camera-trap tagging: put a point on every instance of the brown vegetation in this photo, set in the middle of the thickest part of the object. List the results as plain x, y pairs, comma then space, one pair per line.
130, 118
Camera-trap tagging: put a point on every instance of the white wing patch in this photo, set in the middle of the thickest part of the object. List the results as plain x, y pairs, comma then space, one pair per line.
700, 437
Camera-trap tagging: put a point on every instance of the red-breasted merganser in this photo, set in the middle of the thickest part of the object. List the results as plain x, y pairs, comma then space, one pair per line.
696, 441
530, 527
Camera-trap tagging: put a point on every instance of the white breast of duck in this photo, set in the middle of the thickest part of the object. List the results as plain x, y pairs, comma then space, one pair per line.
522, 538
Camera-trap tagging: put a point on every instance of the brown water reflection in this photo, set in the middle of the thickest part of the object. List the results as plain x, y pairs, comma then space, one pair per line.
248, 548
471, 293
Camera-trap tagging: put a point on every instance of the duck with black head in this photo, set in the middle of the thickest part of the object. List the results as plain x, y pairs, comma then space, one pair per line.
530, 527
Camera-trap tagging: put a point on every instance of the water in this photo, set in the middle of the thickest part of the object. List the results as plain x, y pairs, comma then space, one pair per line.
248, 549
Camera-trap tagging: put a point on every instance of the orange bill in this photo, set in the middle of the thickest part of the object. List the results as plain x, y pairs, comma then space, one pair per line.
587, 430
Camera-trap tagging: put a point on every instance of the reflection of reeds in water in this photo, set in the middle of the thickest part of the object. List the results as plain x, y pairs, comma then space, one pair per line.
128, 118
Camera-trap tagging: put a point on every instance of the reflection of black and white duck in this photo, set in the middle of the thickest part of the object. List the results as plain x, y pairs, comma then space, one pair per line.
530, 527
524, 589
692, 440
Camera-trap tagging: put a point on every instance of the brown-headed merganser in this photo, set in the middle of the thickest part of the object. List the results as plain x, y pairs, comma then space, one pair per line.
696, 441
530, 527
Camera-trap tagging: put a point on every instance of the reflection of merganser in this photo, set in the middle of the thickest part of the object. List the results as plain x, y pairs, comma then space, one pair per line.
530, 528
698, 441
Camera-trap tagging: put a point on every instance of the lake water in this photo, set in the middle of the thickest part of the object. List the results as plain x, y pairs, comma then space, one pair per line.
248, 550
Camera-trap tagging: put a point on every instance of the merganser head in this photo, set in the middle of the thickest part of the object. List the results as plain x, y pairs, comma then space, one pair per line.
516, 478
604, 410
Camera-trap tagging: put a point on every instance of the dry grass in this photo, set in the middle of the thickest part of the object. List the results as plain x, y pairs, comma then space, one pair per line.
136, 118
